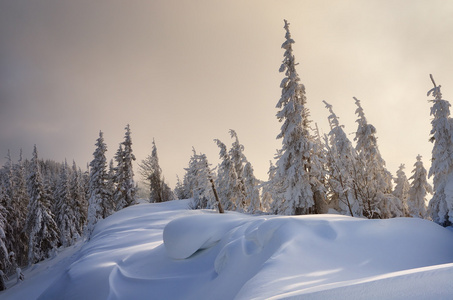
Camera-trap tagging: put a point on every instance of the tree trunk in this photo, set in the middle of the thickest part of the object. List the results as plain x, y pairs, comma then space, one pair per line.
216, 197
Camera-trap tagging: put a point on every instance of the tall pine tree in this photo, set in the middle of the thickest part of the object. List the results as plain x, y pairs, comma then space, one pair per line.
418, 190
125, 185
100, 204
293, 160
40, 224
441, 205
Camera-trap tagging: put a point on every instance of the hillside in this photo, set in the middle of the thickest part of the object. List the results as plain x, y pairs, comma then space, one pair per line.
165, 251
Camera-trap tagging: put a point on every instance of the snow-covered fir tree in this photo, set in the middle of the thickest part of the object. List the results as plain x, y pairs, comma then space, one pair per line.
125, 186
372, 181
341, 157
441, 205
40, 224
8, 202
78, 194
179, 189
402, 189
293, 160
100, 202
418, 190
228, 185
65, 216
5, 262
151, 172
20, 204
268, 190
251, 184
199, 182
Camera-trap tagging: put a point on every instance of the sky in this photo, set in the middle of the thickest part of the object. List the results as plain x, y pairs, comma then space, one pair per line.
186, 72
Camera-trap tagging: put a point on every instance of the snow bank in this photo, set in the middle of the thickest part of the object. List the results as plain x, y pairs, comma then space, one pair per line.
165, 251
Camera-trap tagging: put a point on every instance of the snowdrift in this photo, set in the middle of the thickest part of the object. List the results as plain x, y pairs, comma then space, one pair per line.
165, 251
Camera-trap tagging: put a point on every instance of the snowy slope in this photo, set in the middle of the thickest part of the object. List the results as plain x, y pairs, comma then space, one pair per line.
165, 251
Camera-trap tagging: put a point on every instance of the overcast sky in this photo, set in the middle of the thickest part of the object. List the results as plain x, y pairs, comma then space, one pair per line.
185, 72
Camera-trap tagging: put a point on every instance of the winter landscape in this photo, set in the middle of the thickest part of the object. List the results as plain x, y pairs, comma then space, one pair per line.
330, 221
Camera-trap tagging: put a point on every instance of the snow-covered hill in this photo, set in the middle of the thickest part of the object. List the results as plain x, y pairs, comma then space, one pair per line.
165, 251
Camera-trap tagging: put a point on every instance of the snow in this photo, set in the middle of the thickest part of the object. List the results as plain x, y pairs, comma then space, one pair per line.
167, 251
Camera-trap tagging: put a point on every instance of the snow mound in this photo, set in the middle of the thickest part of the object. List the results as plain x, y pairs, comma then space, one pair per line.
166, 251
180, 240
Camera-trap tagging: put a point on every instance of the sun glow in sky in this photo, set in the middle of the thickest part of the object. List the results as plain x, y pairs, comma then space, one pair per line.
185, 72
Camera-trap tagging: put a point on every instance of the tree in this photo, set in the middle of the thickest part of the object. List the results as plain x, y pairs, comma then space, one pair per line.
401, 190
20, 203
252, 190
40, 225
227, 180
5, 263
372, 181
441, 205
9, 205
418, 190
293, 160
269, 190
77, 190
152, 174
100, 204
125, 186
179, 189
65, 217
341, 158
199, 183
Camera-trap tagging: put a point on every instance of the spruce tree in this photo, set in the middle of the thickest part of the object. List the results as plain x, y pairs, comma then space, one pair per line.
227, 181
341, 159
20, 204
401, 190
77, 190
293, 160
65, 217
252, 190
100, 204
152, 174
418, 190
441, 205
11, 225
40, 224
5, 262
127, 184
372, 181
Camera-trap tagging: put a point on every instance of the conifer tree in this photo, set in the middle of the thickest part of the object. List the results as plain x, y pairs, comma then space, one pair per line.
40, 224
269, 188
179, 189
418, 190
100, 203
5, 263
340, 165
401, 190
228, 184
77, 191
152, 174
293, 160
65, 217
372, 181
441, 205
239, 161
205, 194
125, 186
8, 202
252, 190
20, 204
